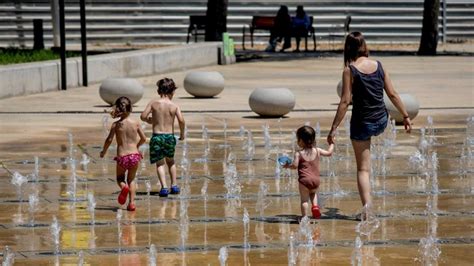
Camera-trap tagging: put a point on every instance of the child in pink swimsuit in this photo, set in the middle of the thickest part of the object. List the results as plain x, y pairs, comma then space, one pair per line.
129, 138
307, 162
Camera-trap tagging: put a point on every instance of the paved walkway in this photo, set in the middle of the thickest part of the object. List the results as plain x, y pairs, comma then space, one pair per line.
37, 125
443, 85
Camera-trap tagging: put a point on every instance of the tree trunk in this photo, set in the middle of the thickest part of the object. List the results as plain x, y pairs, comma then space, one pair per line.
216, 19
429, 32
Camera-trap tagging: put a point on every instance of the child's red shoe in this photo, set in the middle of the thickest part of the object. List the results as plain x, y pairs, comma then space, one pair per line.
316, 212
131, 207
122, 198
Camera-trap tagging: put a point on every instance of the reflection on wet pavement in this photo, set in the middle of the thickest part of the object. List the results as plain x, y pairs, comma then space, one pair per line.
236, 199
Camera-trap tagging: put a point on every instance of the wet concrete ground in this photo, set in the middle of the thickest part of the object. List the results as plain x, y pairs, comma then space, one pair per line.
38, 125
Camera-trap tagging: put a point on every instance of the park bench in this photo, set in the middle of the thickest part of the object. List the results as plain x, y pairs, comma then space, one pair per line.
266, 23
197, 26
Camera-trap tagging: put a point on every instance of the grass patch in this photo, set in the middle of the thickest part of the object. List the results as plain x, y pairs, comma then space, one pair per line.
17, 56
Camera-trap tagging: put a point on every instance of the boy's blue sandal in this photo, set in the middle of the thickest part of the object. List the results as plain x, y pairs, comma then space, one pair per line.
175, 190
164, 192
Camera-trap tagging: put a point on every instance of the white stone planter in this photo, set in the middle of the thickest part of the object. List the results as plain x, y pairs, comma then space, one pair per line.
113, 88
272, 102
411, 105
204, 84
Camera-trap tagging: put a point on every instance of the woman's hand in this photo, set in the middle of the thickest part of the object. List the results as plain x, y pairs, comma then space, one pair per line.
331, 137
407, 124
102, 154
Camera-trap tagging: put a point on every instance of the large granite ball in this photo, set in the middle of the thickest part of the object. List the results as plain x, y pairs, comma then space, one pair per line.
204, 84
411, 105
113, 88
272, 102
339, 89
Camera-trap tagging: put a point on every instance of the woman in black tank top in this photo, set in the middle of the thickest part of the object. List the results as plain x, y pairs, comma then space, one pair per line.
366, 80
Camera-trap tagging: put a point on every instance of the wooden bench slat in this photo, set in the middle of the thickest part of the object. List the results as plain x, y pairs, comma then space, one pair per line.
263, 22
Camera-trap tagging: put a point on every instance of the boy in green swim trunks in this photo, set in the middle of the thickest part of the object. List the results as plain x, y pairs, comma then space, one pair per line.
161, 114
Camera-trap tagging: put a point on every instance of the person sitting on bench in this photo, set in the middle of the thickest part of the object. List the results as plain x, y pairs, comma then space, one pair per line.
281, 30
301, 24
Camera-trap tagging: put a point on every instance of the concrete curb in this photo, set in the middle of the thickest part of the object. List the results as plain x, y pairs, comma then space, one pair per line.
29, 78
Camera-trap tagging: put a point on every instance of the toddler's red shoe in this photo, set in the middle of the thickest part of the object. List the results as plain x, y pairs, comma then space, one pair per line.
122, 198
316, 212
131, 207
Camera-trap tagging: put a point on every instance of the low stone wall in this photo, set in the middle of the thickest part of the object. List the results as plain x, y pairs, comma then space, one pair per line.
22, 79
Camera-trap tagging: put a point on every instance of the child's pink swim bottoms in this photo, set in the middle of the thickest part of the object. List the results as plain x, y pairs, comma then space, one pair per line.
128, 161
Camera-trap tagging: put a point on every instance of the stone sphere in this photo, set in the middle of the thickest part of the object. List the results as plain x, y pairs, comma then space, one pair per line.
411, 105
113, 88
204, 84
339, 89
272, 102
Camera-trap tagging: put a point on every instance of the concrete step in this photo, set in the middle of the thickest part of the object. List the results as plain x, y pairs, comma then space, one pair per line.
161, 21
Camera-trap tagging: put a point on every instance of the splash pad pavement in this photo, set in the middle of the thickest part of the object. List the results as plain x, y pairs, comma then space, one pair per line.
237, 206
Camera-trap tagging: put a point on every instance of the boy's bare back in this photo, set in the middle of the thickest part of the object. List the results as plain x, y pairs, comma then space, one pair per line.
163, 112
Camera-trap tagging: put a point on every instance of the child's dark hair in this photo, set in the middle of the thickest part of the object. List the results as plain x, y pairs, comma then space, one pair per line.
166, 86
354, 47
307, 135
122, 105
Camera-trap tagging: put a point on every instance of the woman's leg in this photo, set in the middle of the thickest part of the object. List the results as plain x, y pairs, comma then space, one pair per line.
362, 154
304, 197
273, 36
272, 42
287, 41
298, 40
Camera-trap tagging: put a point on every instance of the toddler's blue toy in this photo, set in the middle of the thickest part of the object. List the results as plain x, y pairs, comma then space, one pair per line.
284, 160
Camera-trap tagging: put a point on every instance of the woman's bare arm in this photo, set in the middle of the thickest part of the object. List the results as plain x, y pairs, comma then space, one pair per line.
395, 99
346, 98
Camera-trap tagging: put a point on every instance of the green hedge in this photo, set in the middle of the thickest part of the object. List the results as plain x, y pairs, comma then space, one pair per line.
17, 56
